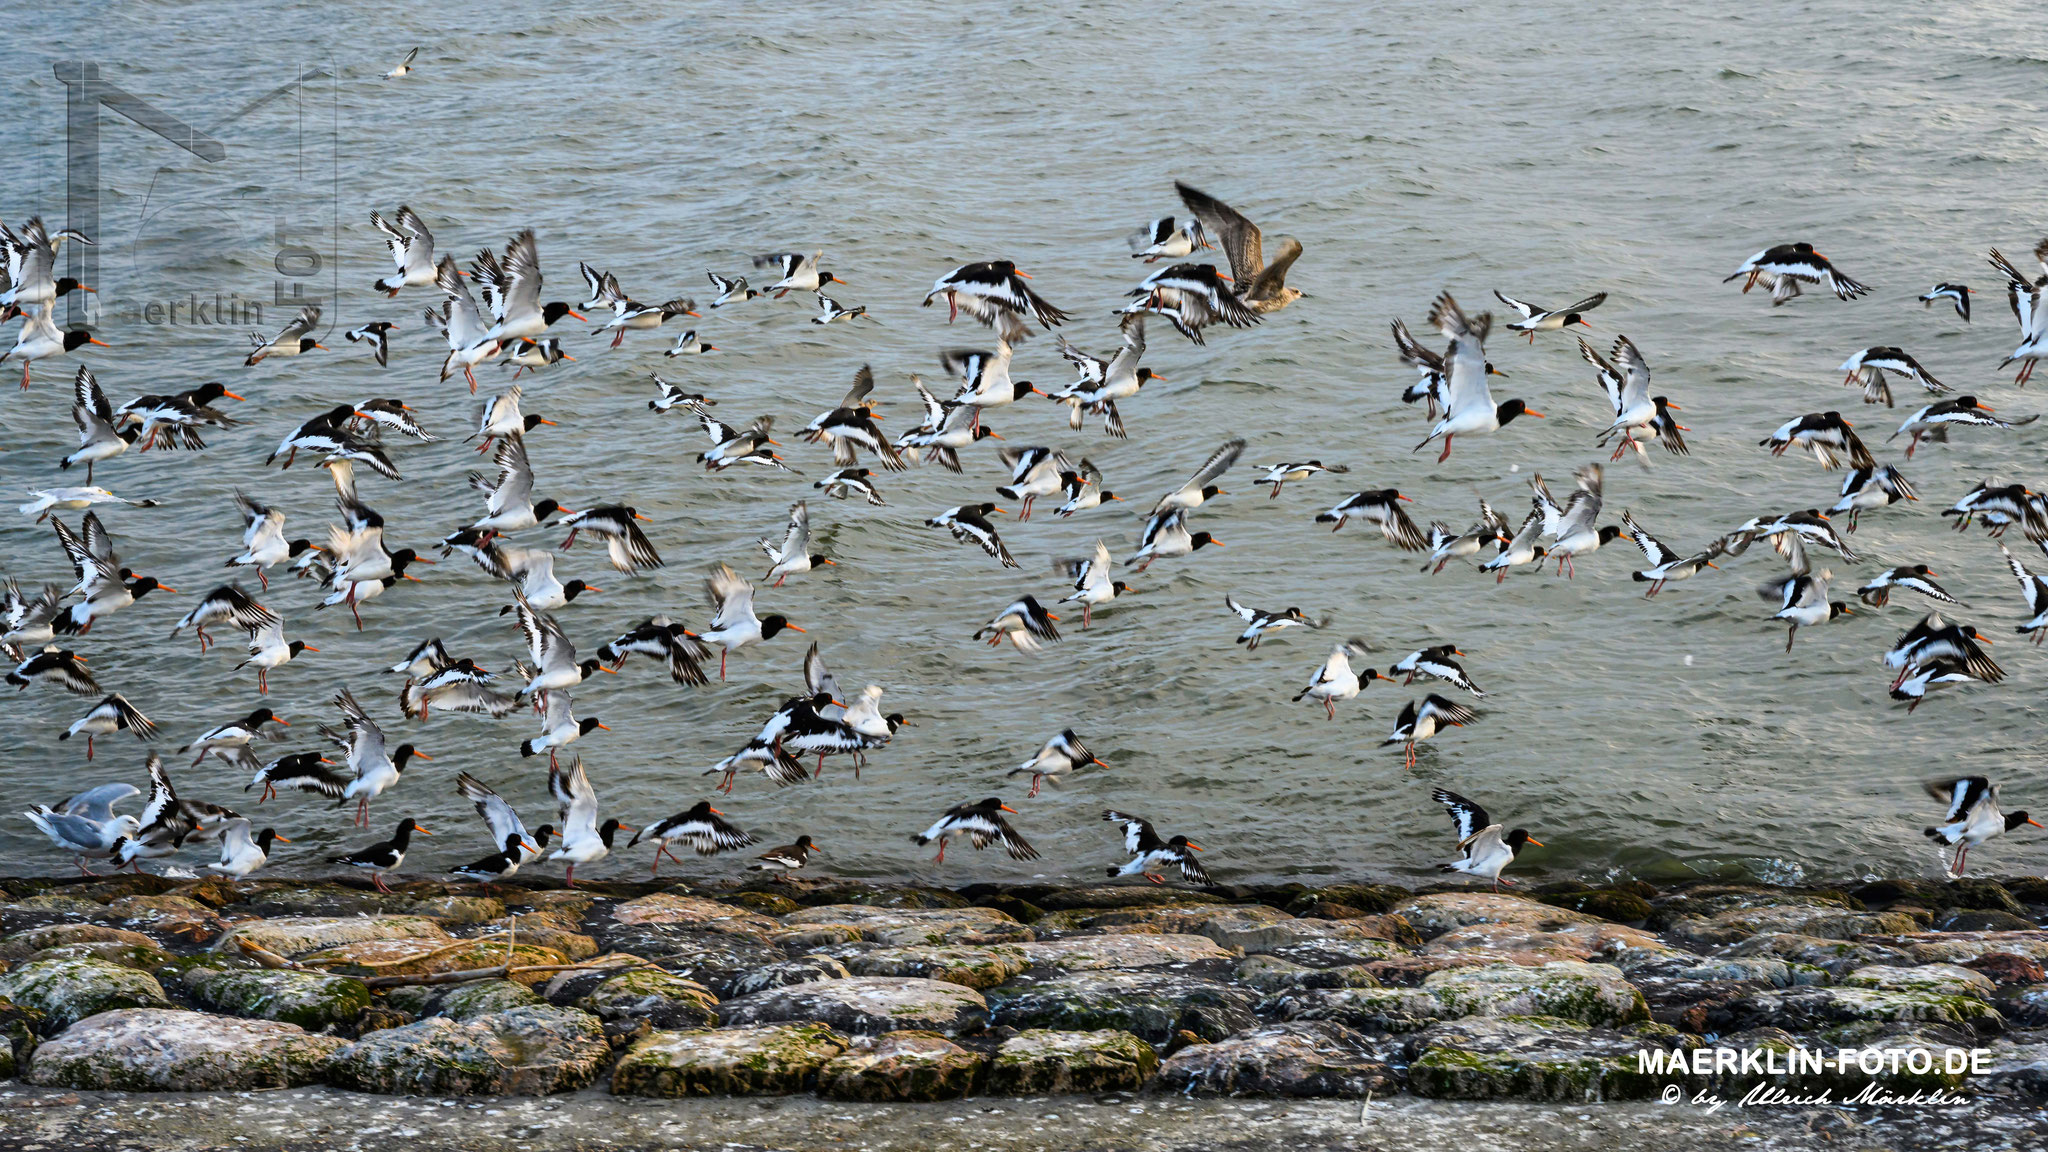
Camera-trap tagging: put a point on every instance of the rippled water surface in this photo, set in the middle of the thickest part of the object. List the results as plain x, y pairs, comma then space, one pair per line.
1545, 150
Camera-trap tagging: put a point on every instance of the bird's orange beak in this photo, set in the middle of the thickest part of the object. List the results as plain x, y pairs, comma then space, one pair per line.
638, 516
792, 628
421, 755
580, 315
1157, 376
606, 727
310, 648
1007, 808
1050, 616
1535, 841
1533, 412
716, 812
1195, 846
1397, 496
1216, 542
280, 839
1021, 272
834, 563
166, 588
101, 343
2034, 822
592, 588
627, 828
421, 831
232, 396
529, 845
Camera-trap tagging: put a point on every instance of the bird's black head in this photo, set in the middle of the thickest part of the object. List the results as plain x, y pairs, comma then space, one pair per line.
403, 753
1120, 586
1213, 490
401, 559
66, 285
1519, 839
1571, 318
1837, 608
609, 829
776, 623
78, 338
1146, 374
338, 413
2015, 819
589, 667
895, 720
1507, 411
803, 843
535, 420
555, 311
983, 508
1609, 532
546, 508
993, 804
1021, 389
575, 588
1203, 539
589, 724
818, 559
511, 844
1921, 570
1802, 246
406, 828
542, 835
264, 839
984, 432
819, 701
307, 344
298, 646
260, 717
208, 392
298, 547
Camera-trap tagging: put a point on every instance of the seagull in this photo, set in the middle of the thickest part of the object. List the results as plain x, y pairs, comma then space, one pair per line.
412, 250
1784, 266
1336, 680
583, 839
1417, 724
295, 339
48, 500
1482, 850
1973, 816
982, 824
1262, 285
1149, 852
1057, 757
1469, 406
1257, 622
1535, 319
85, 825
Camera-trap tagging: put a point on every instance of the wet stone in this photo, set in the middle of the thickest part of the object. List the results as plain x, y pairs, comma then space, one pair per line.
1299, 1058
1042, 1062
902, 1067
170, 1050
865, 1005
776, 1060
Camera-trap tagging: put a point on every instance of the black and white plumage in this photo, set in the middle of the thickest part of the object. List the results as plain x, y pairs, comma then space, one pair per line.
173, 422
1666, 565
2035, 589
1082, 487
1055, 759
99, 438
303, 772
454, 686
2000, 506
1483, 850
800, 273
511, 288
730, 289
1093, 584
530, 355
1877, 591
1468, 403
1167, 239
994, 292
111, 715
263, 541
507, 829
1930, 425
1382, 508
786, 859
830, 310
242, 852
672, 396
1200, 487
294, 339
1260, 283
846, 482
1025, 624
1279, 474
948, 427
29, 619
985, 380
1830, 438
1868, 366
1150, 854
501, 417
559, 726
1935, 638
509, 505
793, 555
851, 427
1638, 416
227, 604
377, 334
969, 525
554, 663
730, 446
498, 865
583, 839
2022, 294
662, 639
166, 821
1574, 527
1802, 595
1520, 548
106, 585
1192, 297
766, 756
385, 855
1336, 679
459, 319
626, 546
1783, 267
376, 768
1166, 535
60, 666
1539, 319
1446, 545
1104, 382
704, 829
229, 742
1258, 622
1811, 526
1435, 662
1034, 471
412, 246
1868, 489
1973, 816
1925, 678
1419, 722
1957, 294
733, 623
982, 824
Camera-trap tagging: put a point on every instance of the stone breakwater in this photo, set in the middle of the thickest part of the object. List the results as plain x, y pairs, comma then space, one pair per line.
897, 994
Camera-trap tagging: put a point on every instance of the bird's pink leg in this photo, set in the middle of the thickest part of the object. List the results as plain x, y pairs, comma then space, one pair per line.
1446, 455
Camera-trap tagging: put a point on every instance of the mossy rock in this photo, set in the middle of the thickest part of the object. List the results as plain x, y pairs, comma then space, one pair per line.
1145, 896
67, 990
1152, 1004
966, 965
431, 957
880, 896
18, 1029
59, 935
173, 1050
1040, 1062
776, 1060
902, 1067
530, 1051
1531, 1058
1606, 903
766, 903
661, 998
294, 935
307, 999
456, 911
1371, 899
212, 891
141, 957
1586, 993
1018, 909
1272, 974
